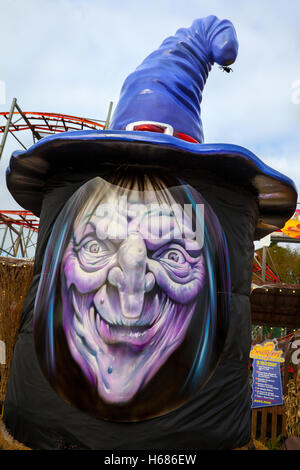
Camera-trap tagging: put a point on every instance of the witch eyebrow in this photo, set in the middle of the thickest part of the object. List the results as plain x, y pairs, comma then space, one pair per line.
182, 243
90, 233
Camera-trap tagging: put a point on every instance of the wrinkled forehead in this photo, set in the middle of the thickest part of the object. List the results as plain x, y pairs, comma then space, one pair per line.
165, 214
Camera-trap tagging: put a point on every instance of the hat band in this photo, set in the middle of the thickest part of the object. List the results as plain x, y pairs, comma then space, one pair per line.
161, 127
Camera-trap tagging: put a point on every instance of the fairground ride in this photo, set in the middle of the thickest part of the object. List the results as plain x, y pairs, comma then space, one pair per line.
18, 228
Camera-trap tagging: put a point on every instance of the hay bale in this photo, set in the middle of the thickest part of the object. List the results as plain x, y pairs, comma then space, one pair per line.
253, 445
292, 407
15, 279
7, 442
259, 445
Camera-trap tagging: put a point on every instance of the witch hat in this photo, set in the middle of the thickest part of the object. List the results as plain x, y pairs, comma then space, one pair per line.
157, 123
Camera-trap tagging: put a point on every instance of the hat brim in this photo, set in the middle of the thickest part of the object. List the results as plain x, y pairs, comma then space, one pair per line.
80, 150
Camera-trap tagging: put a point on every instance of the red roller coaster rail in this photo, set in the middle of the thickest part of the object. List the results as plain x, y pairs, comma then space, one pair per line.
18, 228
41, 123
47, 123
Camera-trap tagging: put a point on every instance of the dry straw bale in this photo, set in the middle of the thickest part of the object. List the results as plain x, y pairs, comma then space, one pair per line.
7, 442
15, 279
292, 407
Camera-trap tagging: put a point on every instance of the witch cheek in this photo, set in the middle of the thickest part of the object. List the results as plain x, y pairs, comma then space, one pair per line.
179, 292
83, 281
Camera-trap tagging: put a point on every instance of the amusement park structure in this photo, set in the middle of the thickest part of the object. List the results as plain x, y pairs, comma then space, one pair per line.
18, 228
18, 233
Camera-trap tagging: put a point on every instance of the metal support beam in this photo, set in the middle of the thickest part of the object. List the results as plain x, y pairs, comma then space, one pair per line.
34, 132
264, 259
107, 122
18, 236
3, 239
11, 112
22, 145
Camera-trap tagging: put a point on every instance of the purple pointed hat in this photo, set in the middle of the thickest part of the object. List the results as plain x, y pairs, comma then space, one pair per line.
157, 122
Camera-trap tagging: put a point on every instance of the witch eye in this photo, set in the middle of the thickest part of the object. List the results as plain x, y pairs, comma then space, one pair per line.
93, 253
174, 256
94, 247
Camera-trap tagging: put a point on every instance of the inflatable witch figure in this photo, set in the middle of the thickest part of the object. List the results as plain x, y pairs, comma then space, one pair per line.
135, 332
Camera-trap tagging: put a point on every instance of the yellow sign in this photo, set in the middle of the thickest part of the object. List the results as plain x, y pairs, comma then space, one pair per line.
267, 352
292, 226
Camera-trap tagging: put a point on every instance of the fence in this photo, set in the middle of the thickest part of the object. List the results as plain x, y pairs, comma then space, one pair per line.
268, 423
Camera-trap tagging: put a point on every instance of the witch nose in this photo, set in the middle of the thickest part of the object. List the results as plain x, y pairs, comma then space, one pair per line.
130, 277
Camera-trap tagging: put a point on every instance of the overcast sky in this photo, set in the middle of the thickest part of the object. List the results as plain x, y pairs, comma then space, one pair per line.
72, 56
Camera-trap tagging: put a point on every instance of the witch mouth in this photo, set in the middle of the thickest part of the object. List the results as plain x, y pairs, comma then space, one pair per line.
133, 330
113, 333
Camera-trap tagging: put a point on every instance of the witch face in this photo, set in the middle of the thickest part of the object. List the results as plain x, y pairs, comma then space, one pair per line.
132, 274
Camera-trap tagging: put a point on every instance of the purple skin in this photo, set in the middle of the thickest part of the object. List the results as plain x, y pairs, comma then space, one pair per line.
133, 297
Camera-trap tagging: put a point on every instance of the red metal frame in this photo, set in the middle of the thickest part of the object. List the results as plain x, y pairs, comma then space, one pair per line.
26, 219
50, 122
18, 228
270, 275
